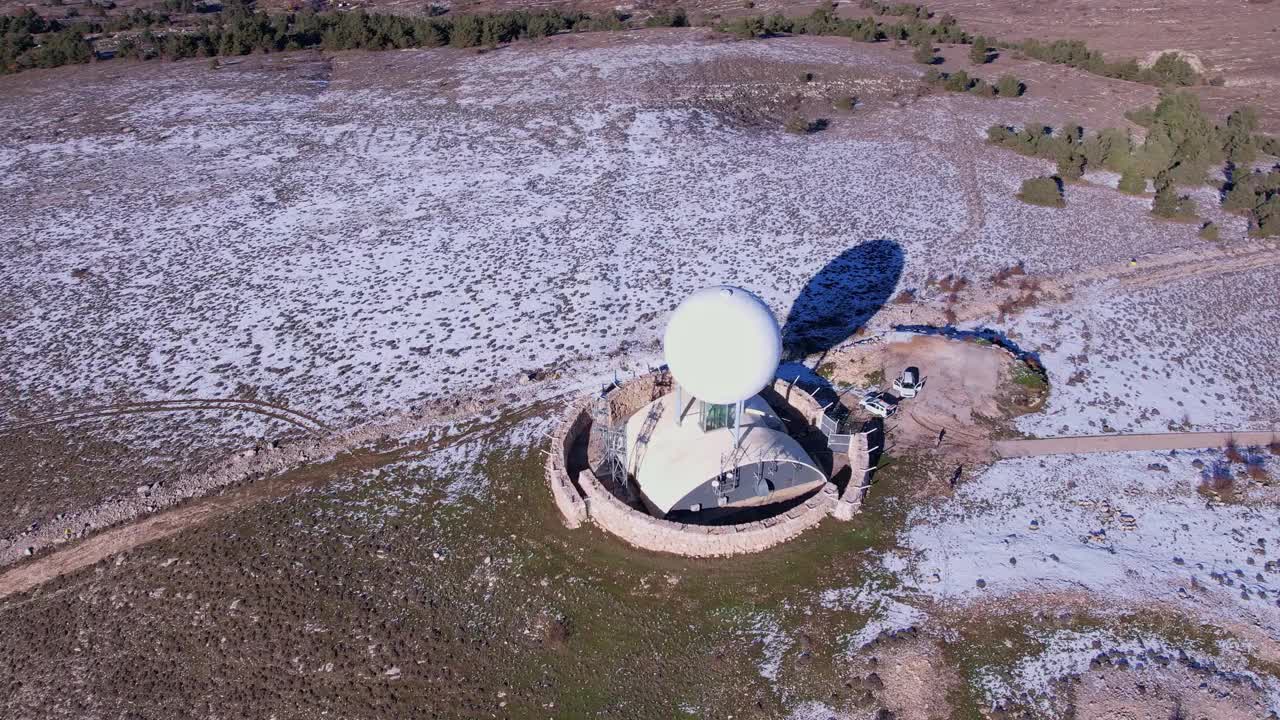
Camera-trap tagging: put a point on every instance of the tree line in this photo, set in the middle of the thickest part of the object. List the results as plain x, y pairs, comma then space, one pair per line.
27, 40
1182, 145
824, 21
233, 28
1169, 69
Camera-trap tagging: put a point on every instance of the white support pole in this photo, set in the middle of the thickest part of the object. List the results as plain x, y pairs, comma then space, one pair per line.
737, 424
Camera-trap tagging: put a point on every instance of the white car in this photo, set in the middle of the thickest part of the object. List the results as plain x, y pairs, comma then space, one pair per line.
877, 405
908, 384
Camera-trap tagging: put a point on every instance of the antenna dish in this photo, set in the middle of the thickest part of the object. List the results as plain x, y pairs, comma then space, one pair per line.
722, 344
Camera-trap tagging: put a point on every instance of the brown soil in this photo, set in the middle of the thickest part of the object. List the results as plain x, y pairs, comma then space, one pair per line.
1238, 41
921, 679
1160, 694
967, 388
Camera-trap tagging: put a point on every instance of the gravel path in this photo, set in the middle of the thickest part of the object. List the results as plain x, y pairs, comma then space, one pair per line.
1125, 443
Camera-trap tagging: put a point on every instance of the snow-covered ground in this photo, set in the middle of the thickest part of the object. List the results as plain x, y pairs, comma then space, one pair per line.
1102, 524
1194, 354
1067, 653
352, 235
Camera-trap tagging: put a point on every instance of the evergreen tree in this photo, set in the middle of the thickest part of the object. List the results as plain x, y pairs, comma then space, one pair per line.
1237, 137
1182, 140
1132, 182
1241, 193
1265, 219
1168, 203
1171, 69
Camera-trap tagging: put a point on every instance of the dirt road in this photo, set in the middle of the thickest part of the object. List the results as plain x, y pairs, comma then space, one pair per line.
1126, 443
277, 412
347, 455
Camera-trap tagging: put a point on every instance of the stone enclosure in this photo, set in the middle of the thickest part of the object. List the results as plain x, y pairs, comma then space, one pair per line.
582, 496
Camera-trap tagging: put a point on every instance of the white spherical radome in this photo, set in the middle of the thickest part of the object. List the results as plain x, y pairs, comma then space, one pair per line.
722, 344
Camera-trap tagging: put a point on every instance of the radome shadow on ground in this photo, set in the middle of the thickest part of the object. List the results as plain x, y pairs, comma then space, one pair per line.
842, 297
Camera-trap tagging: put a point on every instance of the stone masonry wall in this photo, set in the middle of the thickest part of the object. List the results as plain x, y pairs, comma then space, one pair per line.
650, 533
799, 399
566, 496
589, 499
859, 480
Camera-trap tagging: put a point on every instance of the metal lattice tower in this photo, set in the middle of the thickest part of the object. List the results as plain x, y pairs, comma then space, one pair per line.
730, 473
613, 438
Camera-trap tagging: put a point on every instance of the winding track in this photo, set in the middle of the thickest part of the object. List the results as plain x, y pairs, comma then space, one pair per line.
258, 407
350, 452
1130, 443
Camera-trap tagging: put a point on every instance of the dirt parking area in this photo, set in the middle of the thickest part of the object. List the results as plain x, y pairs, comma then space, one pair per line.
971, 391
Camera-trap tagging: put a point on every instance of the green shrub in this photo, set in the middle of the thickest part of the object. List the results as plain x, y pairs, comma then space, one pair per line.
1143, 116
844, 102
980, 52
1209, 231
924, 54
1240, 195
777, 24
675, 17
982, 88
796, 124
1000, 135
1009, 86
1070, 165
746, 27
1045, 191
957, 81
1109, 148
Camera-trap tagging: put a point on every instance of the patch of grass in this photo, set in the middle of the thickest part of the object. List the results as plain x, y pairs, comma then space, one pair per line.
1028, 378
874, 378
371, 570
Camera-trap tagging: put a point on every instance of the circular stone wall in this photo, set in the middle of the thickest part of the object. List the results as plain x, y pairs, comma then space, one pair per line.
580, 495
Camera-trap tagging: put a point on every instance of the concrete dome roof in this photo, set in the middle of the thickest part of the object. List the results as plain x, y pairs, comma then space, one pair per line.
722, 344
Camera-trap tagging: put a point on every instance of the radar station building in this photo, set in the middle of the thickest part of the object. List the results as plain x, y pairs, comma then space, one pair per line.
714, 444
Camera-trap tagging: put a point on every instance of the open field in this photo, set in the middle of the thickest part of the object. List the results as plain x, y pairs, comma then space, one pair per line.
200, 265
